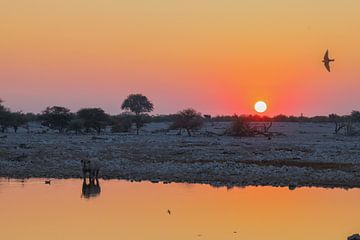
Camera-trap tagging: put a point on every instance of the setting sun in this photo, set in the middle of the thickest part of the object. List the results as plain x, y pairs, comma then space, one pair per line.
260, 106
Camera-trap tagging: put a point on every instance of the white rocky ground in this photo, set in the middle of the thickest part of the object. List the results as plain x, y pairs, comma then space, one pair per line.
308, 154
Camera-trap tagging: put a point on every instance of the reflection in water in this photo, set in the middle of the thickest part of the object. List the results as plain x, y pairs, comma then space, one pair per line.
138, 211
90, 188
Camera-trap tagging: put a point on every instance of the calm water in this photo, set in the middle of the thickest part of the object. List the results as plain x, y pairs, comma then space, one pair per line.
124, 210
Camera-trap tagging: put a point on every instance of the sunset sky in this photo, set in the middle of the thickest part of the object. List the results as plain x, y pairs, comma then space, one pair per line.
218, 57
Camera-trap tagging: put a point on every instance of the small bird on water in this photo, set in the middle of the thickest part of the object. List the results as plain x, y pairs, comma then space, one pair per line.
327, 60
48, 182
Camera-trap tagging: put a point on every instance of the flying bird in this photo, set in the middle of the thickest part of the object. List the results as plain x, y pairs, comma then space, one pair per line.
327, 60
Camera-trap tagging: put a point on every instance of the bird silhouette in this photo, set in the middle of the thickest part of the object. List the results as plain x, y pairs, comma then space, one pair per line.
327, 60
48, 182
169, 212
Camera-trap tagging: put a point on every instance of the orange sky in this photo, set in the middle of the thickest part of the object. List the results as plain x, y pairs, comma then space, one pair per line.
216, 56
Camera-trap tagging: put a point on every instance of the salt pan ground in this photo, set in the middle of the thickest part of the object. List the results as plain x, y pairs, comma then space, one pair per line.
303, 154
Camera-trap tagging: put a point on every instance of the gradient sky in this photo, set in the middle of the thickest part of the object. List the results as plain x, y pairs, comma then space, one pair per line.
35, 211
218, 57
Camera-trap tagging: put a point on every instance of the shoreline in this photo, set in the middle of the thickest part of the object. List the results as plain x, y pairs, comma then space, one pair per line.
306, 155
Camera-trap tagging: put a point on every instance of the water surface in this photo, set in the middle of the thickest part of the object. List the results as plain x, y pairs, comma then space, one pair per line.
125, 210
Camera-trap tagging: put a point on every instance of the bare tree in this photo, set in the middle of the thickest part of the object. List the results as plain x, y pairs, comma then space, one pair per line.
338, 121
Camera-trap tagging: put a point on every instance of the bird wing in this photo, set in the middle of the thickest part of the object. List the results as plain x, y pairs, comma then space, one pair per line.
326, 56
327, 65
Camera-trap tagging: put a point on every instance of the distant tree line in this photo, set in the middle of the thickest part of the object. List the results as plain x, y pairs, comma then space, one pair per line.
136, 109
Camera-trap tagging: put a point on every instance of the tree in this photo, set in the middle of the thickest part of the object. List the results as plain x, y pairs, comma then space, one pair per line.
355, 115
138, 104
76, 125
338, 121
56, 118
240, 127
18, 119
94, 118
188, 119
121, 123
5, 119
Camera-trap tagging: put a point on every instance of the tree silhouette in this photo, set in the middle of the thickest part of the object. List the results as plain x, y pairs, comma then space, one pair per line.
189, 120
138, 104
76, 125
18, 119
93, 118
56, 118
338, 121
240, 127
5, 119
121, 123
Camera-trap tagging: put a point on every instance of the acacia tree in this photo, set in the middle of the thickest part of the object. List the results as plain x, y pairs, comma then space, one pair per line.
93, 118
188, 119
138, 104
56, 118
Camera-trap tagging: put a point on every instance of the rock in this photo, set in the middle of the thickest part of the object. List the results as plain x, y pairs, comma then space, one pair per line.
354, 237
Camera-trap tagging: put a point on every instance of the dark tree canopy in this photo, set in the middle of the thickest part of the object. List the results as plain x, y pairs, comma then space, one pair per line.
5, 118
93, 118
188, 119
56, 118
137, 103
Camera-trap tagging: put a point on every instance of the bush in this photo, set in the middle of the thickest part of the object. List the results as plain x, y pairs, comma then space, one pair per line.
240, 127
18, 119
189, 120
93, 118
76, 125
56, 118
121, 124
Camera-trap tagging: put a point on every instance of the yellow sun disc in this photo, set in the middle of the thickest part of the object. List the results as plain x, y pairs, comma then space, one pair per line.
260, 106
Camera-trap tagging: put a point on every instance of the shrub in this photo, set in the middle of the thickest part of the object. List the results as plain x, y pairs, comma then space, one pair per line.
189, 120
56, 118
240, 127
93, 118
121, 124
76, 125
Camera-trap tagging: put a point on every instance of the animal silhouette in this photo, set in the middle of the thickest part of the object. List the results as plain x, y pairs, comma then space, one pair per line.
91, 188
90, 168
327, 60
